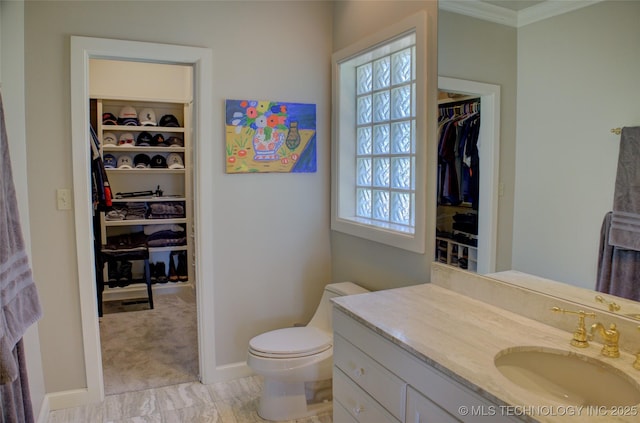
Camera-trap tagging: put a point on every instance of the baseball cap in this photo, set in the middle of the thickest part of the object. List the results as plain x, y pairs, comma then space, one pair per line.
125, 162
109, 138
126, 140
144, 139
147, 117
109, 161
141, 161
169, 120
175, 142
109, 119
174, 160
158, 140
128, 116
158, 161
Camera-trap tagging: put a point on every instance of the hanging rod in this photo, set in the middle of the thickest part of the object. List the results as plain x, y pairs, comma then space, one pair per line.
616, 131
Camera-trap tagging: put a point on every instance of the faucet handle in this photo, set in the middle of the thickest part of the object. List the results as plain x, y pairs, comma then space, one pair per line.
580, 335
613, 306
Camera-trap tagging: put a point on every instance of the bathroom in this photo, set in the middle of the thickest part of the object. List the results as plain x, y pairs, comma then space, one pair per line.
258, 287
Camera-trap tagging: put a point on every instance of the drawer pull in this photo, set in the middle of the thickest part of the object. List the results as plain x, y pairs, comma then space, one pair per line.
359, 372
359, 409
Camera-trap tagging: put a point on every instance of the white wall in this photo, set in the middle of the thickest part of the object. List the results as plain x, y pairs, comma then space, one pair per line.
13, 86
271, 252
577, 79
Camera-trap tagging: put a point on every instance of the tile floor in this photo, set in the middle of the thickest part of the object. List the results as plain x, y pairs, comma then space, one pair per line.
235, 401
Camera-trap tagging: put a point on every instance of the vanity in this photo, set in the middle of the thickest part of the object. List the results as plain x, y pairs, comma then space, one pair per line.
470, 348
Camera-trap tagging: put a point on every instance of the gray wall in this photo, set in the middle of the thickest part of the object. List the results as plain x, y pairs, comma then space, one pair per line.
271, 254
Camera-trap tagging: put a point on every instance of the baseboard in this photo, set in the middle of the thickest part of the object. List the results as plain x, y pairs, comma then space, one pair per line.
230, 371
43, 413
68, 399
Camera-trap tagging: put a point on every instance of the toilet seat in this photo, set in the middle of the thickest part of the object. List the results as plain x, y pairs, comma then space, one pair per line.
291, 342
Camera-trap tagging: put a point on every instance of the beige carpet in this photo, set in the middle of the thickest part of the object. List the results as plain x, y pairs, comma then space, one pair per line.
143, 349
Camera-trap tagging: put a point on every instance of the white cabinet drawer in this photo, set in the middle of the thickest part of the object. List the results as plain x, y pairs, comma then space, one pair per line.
388, 389
421, 409
358, 404
341, 415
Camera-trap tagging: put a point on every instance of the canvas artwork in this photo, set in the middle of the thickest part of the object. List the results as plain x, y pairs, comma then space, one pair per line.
270, 136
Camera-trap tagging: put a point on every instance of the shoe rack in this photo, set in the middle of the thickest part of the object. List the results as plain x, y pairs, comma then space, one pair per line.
147, 189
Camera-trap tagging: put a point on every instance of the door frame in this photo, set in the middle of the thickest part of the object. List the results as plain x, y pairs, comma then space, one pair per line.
201, 60
489, 153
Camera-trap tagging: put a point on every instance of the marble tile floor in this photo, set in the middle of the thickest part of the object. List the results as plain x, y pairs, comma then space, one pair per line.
234, 401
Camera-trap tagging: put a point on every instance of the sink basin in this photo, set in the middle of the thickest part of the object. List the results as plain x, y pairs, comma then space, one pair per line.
567, 377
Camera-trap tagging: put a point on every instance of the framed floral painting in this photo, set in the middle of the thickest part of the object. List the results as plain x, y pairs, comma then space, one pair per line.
270, 136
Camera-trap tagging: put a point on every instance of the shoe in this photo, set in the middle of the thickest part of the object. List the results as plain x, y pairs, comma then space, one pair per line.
152, 271
112, 272
124, 273
161, 275
173, 275
183, 274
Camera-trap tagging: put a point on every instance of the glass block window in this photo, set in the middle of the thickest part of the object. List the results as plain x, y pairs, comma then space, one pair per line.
385, 92
379, 144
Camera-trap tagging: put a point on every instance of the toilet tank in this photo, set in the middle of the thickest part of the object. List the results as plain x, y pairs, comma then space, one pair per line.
322, 317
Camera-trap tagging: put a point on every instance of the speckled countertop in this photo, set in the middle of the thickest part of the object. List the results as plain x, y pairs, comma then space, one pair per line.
461, 336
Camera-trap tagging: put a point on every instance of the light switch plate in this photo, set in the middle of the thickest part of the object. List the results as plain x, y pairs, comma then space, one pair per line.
63, 196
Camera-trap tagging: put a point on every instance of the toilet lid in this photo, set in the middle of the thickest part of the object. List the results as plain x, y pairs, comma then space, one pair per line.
291, 342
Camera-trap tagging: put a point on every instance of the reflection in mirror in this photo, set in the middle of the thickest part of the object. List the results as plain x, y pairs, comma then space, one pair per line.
566, 80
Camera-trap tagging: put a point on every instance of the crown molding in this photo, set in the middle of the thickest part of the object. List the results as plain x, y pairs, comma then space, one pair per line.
549, 9
490, 12
480, 10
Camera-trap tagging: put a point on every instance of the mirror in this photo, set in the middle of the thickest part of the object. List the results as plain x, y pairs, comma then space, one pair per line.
567, 78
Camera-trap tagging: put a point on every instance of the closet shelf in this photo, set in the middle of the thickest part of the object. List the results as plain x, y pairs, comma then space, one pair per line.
148, 199
162, 170
129, 128
135, 222
139, 149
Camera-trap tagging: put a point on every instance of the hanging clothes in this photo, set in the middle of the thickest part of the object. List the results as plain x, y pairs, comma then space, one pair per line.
458, 158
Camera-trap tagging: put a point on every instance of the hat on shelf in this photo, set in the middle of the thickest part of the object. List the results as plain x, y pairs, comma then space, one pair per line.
109, 138
109, 119
174, 161
141, 161
158, 161
126, 140
144, 139
147, 117
109, 161
128, 116
125, 162
169, 121
158, 141
175, 142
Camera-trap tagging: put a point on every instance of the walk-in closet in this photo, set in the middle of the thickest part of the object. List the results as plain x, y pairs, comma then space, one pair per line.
142, 175
458, 189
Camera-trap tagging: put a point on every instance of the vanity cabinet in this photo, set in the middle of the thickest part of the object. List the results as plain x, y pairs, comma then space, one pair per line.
375, 380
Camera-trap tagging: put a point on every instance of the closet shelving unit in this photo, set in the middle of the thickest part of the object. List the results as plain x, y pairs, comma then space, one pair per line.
176, 184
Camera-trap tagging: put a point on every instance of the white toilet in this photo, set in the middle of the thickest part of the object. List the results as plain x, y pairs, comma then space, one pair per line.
290, 357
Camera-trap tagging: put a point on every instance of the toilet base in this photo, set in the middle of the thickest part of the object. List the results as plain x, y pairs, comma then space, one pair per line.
283, 400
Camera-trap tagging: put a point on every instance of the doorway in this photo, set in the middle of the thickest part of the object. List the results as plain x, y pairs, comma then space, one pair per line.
82, 50
488, 96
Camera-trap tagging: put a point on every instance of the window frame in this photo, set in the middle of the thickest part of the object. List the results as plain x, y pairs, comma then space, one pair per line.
343, 169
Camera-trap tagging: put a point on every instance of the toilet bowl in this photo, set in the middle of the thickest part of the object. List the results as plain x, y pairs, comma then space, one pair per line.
291, 358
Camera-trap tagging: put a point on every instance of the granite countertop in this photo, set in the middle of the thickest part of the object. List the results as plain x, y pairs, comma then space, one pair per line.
461, 336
